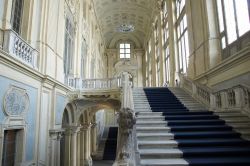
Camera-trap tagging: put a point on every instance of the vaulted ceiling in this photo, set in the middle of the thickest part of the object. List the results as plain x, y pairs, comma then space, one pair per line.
124, 20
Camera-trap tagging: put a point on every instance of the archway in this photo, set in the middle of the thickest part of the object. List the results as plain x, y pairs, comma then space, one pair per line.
65, 137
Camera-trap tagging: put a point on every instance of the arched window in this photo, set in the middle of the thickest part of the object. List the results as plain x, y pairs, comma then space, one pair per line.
125, 50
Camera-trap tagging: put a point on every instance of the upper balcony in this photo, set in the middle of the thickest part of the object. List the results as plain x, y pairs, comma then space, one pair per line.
18, 48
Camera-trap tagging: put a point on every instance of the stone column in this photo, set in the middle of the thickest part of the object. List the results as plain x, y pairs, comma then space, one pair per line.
67, 138
73, 147
87, 157
79, 148
55, 137
213, 34
82, 146
94, 137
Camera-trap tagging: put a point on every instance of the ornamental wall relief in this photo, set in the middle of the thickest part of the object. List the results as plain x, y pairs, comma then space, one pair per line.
16, 101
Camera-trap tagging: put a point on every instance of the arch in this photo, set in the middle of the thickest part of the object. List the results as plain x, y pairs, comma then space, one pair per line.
122, 37
68, 114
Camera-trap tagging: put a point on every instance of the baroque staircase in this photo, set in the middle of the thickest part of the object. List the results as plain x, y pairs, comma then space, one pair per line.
173, 129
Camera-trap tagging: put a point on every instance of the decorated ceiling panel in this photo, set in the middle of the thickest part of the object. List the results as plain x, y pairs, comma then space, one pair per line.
124, 18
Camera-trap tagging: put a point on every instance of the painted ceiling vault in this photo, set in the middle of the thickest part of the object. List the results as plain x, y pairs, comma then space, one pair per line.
124, 20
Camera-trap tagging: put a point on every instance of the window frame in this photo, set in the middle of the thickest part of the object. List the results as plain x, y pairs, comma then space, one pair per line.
124, 51
182, 36
69, 44
224, 33
17, 18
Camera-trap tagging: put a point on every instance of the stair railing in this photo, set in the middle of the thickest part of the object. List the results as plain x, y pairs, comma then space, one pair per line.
233, 98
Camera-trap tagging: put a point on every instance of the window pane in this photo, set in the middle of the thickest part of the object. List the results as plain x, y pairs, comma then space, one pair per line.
242, 16
223, 42
185, 21
128, 51
221, 20
127, 45
127, 56
180, 54
122, 51
230, 21
187, 48
121, 45
122, 56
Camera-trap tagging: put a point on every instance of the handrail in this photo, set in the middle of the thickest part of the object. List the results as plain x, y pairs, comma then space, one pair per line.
233, 98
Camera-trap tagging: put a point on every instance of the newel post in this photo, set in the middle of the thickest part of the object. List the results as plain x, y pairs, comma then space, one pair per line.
126, 121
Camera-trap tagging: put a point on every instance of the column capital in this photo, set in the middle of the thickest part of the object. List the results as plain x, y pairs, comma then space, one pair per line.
86, 126
56, 133
93, 125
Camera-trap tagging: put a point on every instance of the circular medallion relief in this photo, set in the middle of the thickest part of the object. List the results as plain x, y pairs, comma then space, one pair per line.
126, 28
16, 101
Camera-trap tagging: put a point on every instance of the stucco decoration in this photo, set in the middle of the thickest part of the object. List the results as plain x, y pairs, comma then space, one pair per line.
16, 101
126, 121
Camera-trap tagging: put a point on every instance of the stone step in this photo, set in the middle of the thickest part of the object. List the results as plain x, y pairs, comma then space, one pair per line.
150, 118
149, 113
240, 125
152, 129
164, 162
236, 120
154, 136
157, 144
160, 153
151, 124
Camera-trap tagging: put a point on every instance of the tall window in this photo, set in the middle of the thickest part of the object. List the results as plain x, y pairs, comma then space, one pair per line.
234, 20
158, 66
149, 62
83, 56
16, 16
167, 65
9, 147
166, 43
182, 36
124, 50
68, 47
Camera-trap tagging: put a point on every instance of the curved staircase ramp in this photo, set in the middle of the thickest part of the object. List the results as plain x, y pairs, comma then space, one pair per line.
110, 144
169, 134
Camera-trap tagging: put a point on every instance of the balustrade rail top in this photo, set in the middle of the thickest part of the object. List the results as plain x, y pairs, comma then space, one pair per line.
196, 83
236, 86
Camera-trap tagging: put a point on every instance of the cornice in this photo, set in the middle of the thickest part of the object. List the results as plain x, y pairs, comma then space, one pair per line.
240, 57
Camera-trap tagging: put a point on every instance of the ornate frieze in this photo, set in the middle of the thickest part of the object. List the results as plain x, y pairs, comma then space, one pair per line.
16, 101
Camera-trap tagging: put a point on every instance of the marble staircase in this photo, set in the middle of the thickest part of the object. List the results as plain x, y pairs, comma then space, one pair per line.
177, 131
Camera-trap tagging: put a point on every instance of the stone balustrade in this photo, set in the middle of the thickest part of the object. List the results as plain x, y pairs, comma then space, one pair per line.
234, 98
18, 48
106, 83
97, 84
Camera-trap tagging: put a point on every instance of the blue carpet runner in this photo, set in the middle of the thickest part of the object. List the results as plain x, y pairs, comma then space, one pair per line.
204, 139
110, 145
